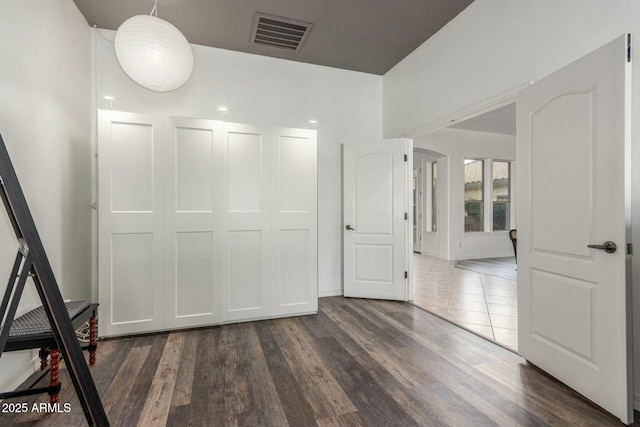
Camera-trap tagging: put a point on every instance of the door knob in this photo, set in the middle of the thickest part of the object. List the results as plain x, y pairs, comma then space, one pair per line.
350, 228
608, 246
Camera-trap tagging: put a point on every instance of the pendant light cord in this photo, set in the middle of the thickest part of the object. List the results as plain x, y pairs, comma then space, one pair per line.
154, 10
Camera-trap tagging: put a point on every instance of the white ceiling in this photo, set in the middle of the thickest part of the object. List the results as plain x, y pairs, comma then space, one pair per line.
361, 35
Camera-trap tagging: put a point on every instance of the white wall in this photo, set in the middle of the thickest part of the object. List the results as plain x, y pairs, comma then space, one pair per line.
271, 92
457, 145
494, 46
45, 123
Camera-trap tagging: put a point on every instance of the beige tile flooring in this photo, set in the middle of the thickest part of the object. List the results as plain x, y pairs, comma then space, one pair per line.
478, 302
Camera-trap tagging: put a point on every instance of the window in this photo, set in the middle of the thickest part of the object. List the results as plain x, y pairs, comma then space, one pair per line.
501, 195
473, 195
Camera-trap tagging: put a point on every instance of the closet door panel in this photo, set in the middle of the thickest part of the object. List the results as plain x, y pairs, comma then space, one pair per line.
132, 290
295, 166
245, 169
245, 271
131, 149
294, 221
246, 222
194, 276
294, 267
193, 223
131, 216
194, 169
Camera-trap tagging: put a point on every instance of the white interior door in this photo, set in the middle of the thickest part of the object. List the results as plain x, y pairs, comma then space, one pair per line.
573, 191
378, 219
131, 214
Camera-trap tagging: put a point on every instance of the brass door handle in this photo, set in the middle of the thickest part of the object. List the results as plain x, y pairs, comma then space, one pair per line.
608, 246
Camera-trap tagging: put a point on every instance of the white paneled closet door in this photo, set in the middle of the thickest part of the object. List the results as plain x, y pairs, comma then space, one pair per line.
294, 236
193, 222
246, 222
203, 222
131, 229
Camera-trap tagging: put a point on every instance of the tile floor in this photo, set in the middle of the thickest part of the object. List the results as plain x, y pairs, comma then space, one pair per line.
482, 303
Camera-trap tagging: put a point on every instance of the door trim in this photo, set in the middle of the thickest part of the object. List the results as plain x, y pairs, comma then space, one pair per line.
489, 104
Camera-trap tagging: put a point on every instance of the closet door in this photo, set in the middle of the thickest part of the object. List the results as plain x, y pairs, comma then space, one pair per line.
193, 219
131, 218
294, 236
246, 293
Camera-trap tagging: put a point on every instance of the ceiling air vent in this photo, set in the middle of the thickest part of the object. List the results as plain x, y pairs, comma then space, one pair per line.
282, 33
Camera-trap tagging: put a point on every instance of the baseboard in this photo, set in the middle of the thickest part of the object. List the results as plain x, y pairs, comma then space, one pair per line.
330, 293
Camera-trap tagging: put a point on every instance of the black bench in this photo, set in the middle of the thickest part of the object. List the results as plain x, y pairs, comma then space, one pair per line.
32, 330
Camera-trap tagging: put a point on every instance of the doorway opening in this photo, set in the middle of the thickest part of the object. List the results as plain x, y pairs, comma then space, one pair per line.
464, 209
426, 170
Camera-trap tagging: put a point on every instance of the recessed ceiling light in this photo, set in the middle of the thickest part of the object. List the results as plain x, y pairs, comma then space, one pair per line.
313, 122
223, 110
110, 99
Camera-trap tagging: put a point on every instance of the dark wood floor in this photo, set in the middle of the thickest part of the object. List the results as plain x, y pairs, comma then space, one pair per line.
358, 362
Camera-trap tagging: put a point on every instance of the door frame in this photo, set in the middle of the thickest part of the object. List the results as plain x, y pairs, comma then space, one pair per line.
417, 200
427, 159
500, 100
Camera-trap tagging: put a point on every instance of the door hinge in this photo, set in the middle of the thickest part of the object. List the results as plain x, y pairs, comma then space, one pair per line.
406, 158
406, 216
629, 248
406, 274
628, 47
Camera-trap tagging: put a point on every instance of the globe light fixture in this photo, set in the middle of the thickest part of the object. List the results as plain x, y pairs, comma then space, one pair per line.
153, 53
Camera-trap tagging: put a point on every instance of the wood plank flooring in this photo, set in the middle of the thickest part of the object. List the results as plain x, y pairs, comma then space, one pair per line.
355, 363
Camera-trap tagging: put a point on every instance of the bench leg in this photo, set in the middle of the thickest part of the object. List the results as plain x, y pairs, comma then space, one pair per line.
44, 356
53, 397
92, 340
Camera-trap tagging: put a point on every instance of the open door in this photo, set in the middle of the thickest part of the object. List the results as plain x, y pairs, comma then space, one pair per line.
378, 219
574, 226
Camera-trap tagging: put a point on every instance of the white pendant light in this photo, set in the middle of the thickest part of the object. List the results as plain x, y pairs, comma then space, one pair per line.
153, 53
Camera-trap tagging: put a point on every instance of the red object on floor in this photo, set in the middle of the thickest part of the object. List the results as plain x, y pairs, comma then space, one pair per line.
92, 340
54, 375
